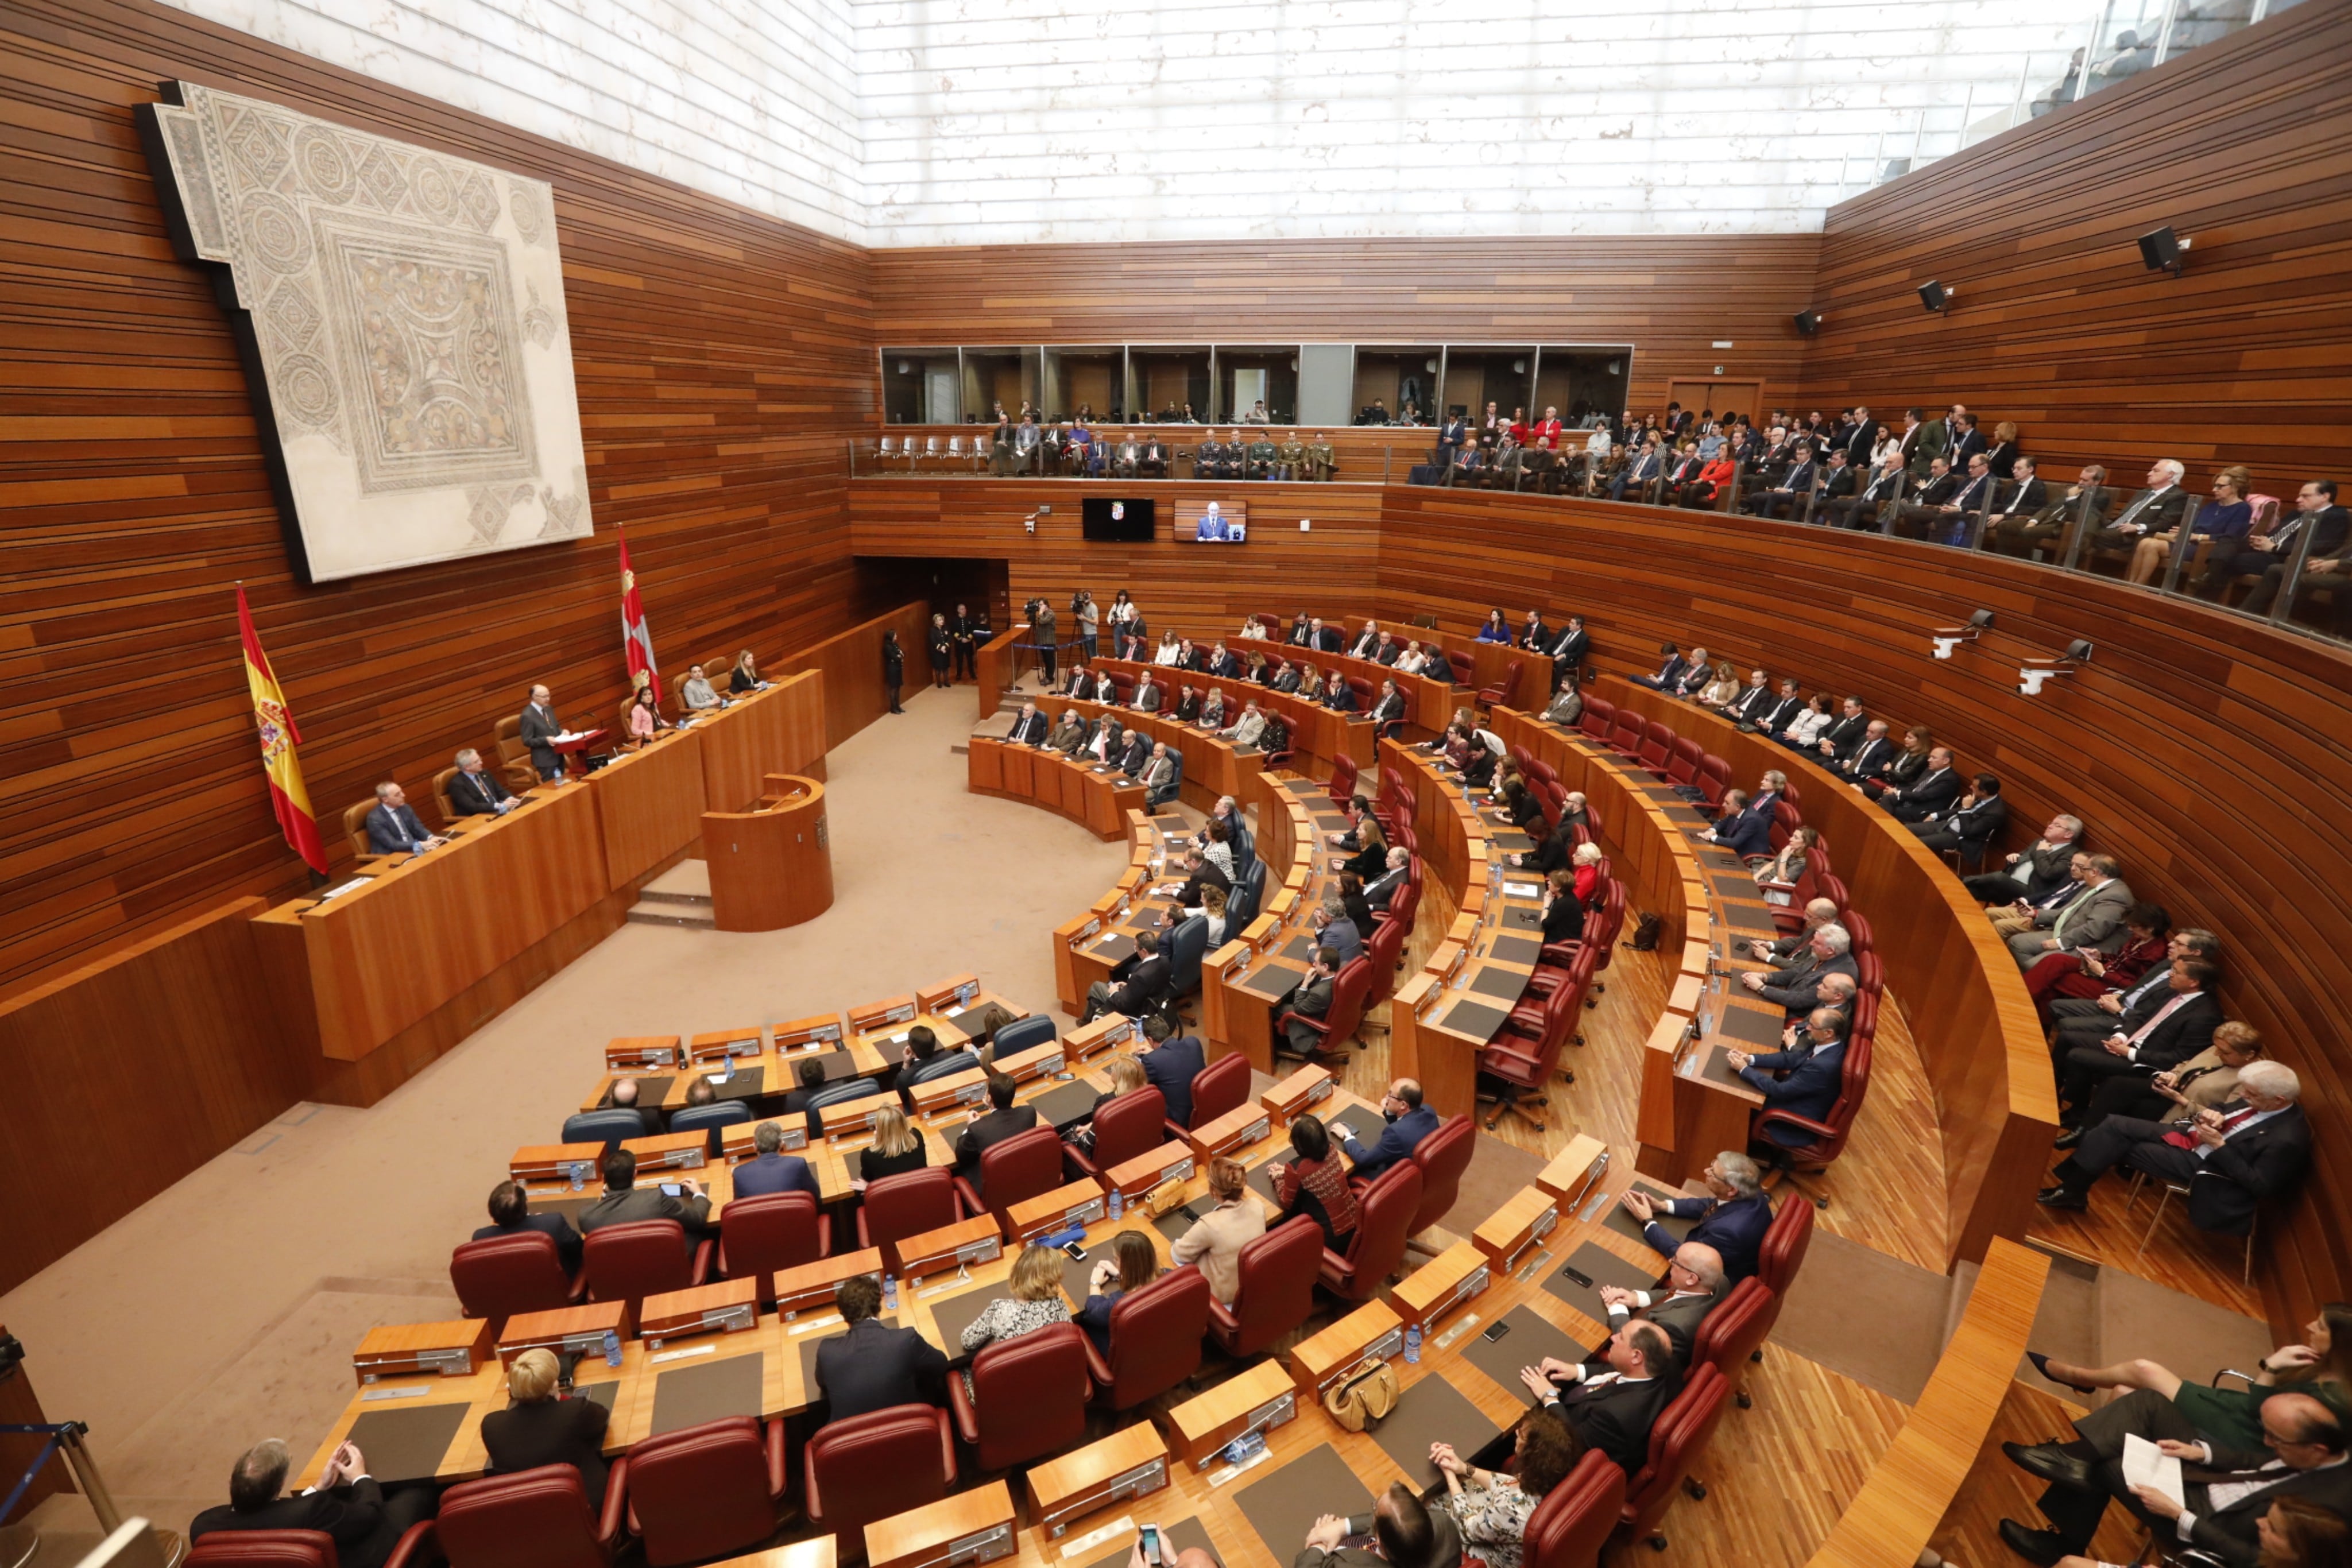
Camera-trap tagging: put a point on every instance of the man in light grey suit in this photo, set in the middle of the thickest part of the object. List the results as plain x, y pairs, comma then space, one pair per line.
2093, 919
540, 726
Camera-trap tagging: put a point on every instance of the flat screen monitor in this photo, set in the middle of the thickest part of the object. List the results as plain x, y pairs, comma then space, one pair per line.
1227, 524
1116, 520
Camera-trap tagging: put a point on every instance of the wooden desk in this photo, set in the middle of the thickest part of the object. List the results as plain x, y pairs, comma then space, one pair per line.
1212, 765
779, 730
1096, 800
1316, 734
771, 867
649, 803
766, 1340
353, 971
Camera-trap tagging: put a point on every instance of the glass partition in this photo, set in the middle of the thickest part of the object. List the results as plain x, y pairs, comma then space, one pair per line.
1476, 377
1583, 383
1169, 385
1249, 375
1390, 378
999, 378
1088, 383
919, 386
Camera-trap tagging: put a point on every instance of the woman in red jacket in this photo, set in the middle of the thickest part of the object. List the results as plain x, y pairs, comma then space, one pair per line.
2078, 973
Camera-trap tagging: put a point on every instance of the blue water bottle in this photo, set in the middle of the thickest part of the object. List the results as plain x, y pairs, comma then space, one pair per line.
612, 1348
1117, 1204
1413, 1345
889, 1292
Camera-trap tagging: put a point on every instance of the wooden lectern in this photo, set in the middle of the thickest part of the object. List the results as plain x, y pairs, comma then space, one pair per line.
770, 866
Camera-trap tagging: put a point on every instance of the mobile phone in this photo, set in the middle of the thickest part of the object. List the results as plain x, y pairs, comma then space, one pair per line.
1078, 1253
1496, 1332
1570, 1271
1150, 1535
672, 1188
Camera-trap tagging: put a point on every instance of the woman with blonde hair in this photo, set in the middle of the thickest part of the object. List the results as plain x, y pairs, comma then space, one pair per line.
2228, 515
1214, 1243
1127, 1075
1778, 876
745, 677
1035, 1303
1310, 682
897, 1148
539, 1428
1586, 862
1722, 690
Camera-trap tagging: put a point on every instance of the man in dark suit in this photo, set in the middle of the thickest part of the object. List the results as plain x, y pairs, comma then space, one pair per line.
510, 1216
2032, 873
2087, 1020
1001, 1120
1311, 998
1967, 440
923, 1060
2331, 529
1030, 728
2022, 535
1873, 756
1927, 506
1368, 641
1695, 1284
1637, 474
1932, 793
1223, 664
1390, 706
1742, 829
1567, 652
1670, 669
1199, 872
623, 1096
1138, 752
365, 1520
1732, 1218
1613, 1410
392, 826
1778, 714
1136, 985
1340, 695
476, 790
874, 1367
2020, 495
1381, 891
1809, 1088
1875, 500
540, 728
1405, 1533
1973, 822
1800, 991
1170, 1065
1859, 439
1787, 498
2231, 1157
770, 1170
2224, 1494
625, 1202
1409, 1122
2178, 1026
2153, 510
1845, 734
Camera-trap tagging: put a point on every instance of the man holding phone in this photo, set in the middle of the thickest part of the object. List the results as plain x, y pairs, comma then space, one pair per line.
625, 1202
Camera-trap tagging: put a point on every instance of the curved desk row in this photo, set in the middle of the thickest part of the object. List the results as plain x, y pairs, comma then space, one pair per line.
1316, 731
1095, 797
1213, 765
1244, 981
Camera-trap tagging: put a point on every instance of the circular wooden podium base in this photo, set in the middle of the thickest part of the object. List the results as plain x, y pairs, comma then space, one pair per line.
772, 866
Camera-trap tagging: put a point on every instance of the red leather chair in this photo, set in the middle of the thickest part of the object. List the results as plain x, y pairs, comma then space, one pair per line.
1682, 760
644, 1258
1443, 1156
1222, 1087
1383, 949
1598, 717
1405, 904
1857, 925
1572, 1524
1831, 887
1029, 1397
1276, 1293
1342, 787
1376, 1250
1338, 1026
1519, 1068
532, 1519
1597, 943
902, 1206
264, 1549
1155, 1339
1830, 1134
1501, 692
775, 1231
1676, 1440
870, 1467
1870, 974
1134, 1123
504, 1275
1713, 779
1786, 1240
1019, 1168
1733, 1333
1657, 747
1625, 736
704, 1492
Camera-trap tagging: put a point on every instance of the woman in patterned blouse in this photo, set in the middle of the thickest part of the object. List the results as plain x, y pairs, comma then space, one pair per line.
1315, 1184
1493, 1511
1036, 1302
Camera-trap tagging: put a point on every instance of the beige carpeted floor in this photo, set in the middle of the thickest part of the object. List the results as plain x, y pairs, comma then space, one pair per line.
225, 1310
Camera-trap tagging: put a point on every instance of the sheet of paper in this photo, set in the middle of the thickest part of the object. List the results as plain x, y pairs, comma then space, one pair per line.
2144, 1465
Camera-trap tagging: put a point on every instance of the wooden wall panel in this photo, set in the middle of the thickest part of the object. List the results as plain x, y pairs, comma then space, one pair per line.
1329, 570
2201, 749
2245, 146
716, 352
1671, 298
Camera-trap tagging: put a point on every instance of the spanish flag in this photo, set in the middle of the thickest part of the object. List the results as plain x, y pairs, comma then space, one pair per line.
279, 739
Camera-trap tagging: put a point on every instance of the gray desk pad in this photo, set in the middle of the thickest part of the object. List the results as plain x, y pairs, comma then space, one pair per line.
689, 1395
1115, 947
1508, 984
1271, 981
1521, 917
1431, 1411
749, 1084
650, 1090
1284, 1506
1515, 949
1624, 1224
1531, 1337
406, 1445
1715, 1067
1185, 1533
601, 1392
1298, 950
955, 1314
1476, 1019
570, 1207
1065, 1103
1714, 858
1606, 1268
1748, 917
1757, 1029
837, 1064
1177, 1221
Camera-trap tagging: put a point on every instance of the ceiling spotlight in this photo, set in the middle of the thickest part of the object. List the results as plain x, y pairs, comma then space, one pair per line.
1808, 323
1935, 295
2160, 250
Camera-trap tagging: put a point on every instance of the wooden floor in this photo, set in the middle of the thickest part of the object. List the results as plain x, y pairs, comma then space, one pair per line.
2178, 1257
